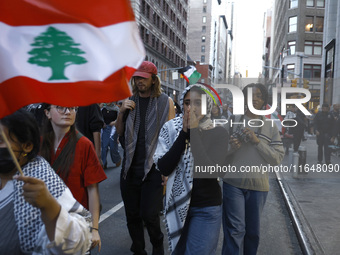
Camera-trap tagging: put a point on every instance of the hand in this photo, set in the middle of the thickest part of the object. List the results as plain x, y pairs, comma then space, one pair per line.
235, 143
165, 180
251, 136
35, 192
332, 140
186, 121
96, 240
194, 120
127, 105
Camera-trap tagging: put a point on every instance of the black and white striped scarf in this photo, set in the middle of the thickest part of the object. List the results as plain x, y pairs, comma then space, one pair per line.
156, 115
180, 181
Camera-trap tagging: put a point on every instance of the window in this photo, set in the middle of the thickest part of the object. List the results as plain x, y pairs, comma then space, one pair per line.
312, 72
309, 24
320, 3
204, 1
204, 28
290, 71
319, 24
313, 48
292, 24
291, 47
310, 3
203, 38
202, 59
293, 4
204, 19
204, 9
203, 48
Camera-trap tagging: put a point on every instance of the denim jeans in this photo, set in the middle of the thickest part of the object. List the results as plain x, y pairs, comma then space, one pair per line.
201, 231
112, 143
242, 210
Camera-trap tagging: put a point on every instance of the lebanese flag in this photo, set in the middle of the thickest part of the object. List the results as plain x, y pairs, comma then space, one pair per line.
68, 53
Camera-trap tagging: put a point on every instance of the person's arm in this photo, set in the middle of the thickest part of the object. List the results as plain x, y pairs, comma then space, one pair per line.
97, 145
94, 207
168, 162
273, 152
120, 125
172, 112
316, 124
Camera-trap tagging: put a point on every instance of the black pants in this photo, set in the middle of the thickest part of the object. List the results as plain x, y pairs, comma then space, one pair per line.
323, 140
143, 202
298, 134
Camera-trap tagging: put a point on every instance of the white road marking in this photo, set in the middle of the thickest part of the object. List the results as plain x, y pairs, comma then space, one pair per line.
106, 215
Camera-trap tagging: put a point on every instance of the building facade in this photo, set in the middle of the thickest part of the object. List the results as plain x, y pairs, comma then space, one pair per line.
164, 29
208, 39
297, 44
330, 89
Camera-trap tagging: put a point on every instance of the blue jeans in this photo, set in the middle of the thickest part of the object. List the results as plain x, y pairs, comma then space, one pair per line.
112, 143
201, 231
242, 210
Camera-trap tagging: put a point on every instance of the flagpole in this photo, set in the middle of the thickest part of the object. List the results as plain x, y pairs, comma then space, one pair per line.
11, 151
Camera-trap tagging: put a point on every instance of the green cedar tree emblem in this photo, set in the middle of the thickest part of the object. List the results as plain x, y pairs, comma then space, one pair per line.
55, 49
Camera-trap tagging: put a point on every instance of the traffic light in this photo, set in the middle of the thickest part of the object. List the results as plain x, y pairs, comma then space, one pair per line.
305, 83
294, 83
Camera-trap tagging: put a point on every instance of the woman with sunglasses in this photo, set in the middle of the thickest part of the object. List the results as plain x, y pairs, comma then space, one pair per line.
74, 159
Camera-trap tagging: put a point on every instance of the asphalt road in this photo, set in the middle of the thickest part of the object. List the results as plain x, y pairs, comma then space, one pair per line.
277, 234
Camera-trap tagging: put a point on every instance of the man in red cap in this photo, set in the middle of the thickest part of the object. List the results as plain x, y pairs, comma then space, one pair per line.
138, 124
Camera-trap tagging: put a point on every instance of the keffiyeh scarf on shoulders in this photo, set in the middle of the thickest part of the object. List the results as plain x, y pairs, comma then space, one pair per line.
156, 115
28, 217
180, 181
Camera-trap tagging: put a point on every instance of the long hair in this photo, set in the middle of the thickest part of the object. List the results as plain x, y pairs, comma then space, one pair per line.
156, 88
47, 146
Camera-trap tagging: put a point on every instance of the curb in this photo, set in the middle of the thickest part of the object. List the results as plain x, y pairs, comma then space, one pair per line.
309, 243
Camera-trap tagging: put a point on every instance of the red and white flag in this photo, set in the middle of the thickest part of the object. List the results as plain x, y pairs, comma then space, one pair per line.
68, 53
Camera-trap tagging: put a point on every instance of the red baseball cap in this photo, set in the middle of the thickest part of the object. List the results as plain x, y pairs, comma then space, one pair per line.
145, 70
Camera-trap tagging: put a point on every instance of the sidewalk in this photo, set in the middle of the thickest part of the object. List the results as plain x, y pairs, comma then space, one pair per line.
315, 198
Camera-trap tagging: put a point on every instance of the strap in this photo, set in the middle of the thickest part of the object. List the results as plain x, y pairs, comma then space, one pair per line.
62, 155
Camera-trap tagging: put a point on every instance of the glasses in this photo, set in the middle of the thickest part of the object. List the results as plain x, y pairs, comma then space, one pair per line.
62, 110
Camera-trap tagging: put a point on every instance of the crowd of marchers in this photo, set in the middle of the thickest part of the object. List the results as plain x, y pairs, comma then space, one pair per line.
54, 206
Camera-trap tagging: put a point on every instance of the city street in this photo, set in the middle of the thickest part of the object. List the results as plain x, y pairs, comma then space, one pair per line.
277, 231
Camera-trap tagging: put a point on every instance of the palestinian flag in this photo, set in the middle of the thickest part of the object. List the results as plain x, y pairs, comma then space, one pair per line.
68, 53
190, 74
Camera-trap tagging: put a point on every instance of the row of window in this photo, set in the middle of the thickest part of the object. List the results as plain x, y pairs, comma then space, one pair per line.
161, 47
168, 11
312, 24
310, 72
311, 48
157, 21
309, 3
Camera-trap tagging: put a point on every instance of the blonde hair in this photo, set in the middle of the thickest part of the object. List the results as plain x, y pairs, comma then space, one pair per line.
156, 88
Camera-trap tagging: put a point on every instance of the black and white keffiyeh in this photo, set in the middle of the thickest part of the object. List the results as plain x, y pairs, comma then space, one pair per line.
28, 217
180, 181
156, 115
